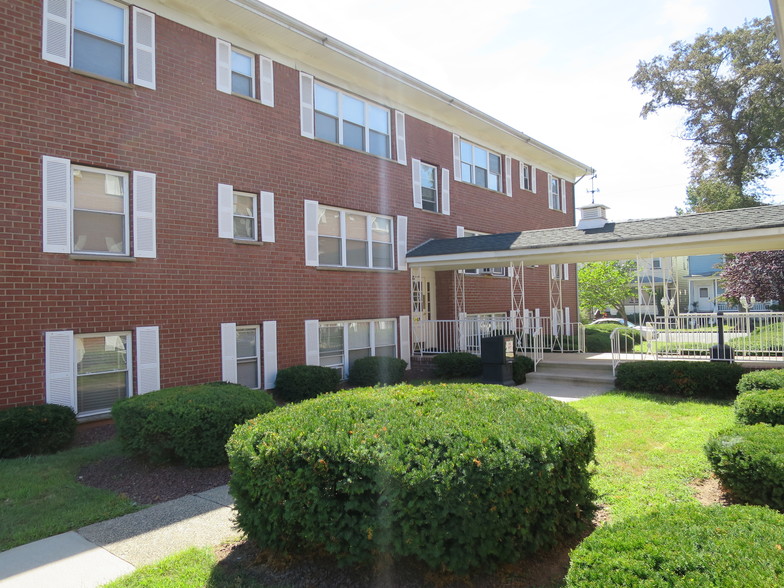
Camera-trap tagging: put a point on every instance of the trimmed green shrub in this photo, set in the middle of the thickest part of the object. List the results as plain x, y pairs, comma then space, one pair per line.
457, 365
462, 476
680, 378
189, 424
521, 365
301, 382
760, 406
33, 430
684, 545
370, 371
762, 380
749, 461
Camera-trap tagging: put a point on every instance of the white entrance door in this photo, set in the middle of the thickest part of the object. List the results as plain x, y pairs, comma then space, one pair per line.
423, 311
704, 296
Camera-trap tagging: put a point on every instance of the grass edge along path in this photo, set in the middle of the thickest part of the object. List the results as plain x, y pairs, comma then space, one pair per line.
649, 448
41, 496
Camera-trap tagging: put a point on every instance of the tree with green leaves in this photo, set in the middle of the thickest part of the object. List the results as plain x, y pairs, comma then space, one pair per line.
731, 85
711, 195
605, 284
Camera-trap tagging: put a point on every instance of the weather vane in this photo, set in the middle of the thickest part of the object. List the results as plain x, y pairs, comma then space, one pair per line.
593, 190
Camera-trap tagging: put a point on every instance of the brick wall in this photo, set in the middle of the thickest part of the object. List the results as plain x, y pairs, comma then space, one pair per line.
194, 137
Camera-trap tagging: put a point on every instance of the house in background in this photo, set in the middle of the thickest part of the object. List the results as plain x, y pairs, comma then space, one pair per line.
211, 190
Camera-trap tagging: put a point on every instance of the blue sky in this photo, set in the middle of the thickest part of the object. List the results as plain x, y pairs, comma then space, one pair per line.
558, 71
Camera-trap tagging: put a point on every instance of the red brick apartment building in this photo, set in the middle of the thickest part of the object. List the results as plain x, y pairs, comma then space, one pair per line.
203, 190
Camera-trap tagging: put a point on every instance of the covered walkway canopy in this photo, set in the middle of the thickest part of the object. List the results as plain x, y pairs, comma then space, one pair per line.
727, 231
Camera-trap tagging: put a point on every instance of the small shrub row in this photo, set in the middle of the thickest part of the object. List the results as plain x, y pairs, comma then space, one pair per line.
749, 461
460, 476
301, 382
684, 545
450, 366
188, 424
762, 380
680, 378
760, 406
370, 371
35, 430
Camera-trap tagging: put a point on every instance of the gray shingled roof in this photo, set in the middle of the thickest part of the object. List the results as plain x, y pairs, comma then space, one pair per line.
743, 219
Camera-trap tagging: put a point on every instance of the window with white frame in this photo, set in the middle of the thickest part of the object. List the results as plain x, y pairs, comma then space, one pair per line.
480, 167
243, 74
527, 177
245, 210
90, 372
248, 357
236, 73
556, 189
354, 239
342, 343
100, 211
245, 216
559, 271
657, 263
103, 371
492, 271
428, 175
93, 36
87, 210
350, 121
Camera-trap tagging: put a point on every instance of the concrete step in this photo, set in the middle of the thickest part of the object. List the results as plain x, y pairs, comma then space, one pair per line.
574, 372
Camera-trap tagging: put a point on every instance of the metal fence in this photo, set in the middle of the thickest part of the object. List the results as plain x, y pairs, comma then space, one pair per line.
751, 337
533, 336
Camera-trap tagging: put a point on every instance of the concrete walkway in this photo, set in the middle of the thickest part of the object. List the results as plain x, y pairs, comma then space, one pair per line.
94, 555
100, 553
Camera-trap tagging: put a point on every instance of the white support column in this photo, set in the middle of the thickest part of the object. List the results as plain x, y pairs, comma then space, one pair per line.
417, 308
556, 302
517, 292
459, 284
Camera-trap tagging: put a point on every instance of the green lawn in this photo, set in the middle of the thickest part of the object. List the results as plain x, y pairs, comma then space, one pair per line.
41, 497
649, 448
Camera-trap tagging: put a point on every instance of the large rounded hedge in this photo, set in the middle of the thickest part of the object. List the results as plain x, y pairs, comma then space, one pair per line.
749, 461
684, 545
189, 424
760, 406
459, 476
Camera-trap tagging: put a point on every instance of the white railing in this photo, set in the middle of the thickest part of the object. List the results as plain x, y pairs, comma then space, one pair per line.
753, 336
627, 344
758, 307
534, 338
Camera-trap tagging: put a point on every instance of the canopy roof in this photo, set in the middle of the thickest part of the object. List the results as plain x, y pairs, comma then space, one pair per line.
727, 231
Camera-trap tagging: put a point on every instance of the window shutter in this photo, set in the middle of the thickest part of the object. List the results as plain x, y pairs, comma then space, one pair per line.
56, 174
270, 335
143, 48
225, 211
550, 190
56, 37
553, 271
267, 200
148, 370
405, 340
402, 242
400, 136
568, 320
462, 331
563, 195
533, 179
565, 273
522, 175
60, 377
312, 343
229, 352
223, 66
513, 320
267, 81
554, 321
445, 203
144, 233
311, 232
508, 166
416, 180
460, 231
456, 157
306, 105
